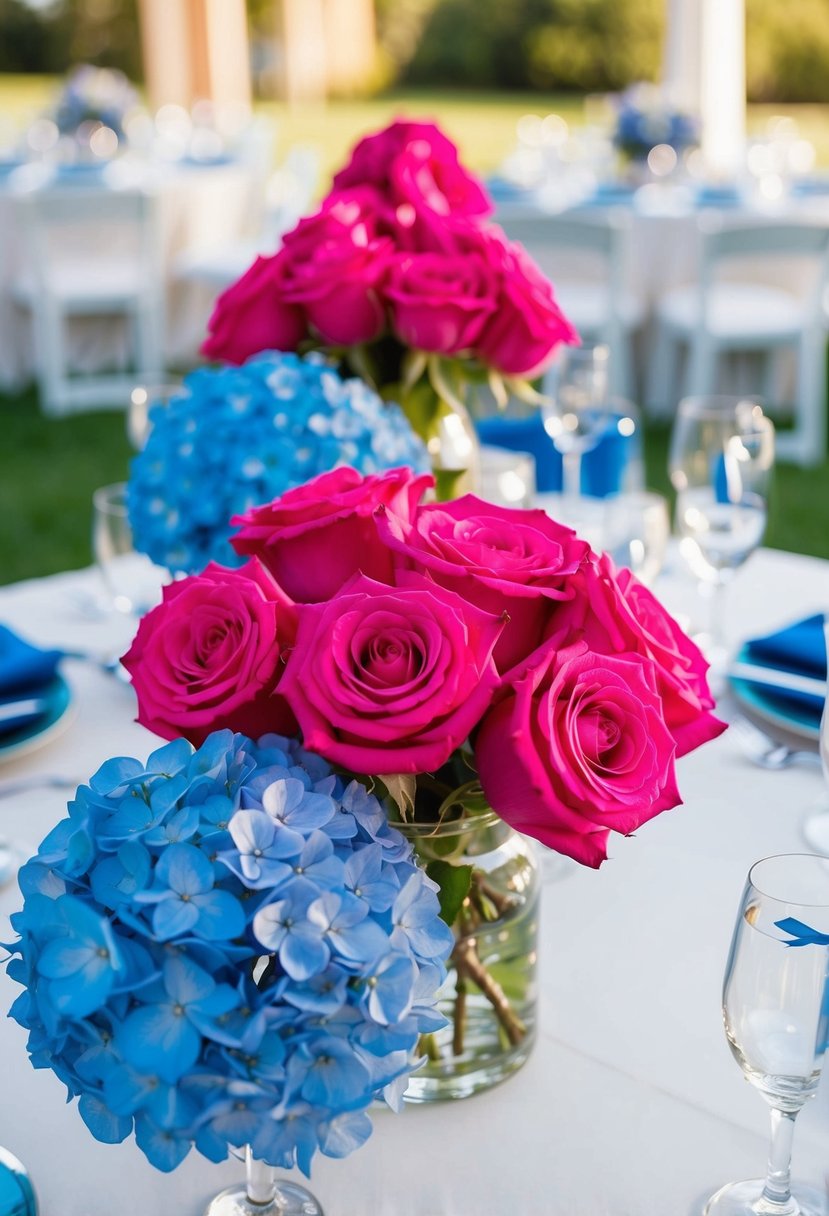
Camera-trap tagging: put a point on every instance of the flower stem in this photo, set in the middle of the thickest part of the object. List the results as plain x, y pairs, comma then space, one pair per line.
469, 967
459, 1020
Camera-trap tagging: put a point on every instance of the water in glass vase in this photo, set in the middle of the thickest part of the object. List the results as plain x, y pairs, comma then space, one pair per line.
489, 998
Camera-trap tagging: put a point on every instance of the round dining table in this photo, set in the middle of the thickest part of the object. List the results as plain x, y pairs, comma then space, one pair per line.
631, 1103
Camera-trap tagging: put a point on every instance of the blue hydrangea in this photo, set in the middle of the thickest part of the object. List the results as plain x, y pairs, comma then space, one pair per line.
258, 976
644, 120
239, 436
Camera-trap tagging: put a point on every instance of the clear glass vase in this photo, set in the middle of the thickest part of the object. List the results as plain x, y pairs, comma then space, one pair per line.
490, 995
263, 1194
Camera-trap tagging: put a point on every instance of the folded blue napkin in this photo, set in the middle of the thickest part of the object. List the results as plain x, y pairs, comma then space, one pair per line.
602, 469
26, 673
817, 183
799, 648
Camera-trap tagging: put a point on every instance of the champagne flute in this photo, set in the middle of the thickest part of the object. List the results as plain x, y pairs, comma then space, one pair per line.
575, 412
721, 457
776, 1014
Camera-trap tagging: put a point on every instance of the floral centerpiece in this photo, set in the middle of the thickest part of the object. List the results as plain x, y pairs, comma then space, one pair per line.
400, 276
459, 659
233, 437
96, 96
644, 118
227, 947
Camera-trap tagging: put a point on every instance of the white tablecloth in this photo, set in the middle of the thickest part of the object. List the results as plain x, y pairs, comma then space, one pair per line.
631, 1104
664, 238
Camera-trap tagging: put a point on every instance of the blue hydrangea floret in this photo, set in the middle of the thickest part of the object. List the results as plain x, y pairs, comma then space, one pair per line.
224, 947
235, 437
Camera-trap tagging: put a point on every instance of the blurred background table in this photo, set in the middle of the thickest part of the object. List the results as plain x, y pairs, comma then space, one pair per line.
631, 1104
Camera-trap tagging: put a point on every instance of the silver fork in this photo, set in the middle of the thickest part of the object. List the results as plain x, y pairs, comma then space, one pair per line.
767, 752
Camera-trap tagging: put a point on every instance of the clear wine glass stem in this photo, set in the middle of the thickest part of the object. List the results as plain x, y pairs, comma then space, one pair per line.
778, 1179
261, 1179
571, 475
716, 615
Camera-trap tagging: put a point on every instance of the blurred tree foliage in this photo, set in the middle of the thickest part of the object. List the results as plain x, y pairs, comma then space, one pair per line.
51, 37
591, 45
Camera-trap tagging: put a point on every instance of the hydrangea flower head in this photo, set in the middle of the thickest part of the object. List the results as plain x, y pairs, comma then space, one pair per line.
238, 436
258, 974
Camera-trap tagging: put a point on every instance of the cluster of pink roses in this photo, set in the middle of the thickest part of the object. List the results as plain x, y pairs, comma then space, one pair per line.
399, 246
392, 632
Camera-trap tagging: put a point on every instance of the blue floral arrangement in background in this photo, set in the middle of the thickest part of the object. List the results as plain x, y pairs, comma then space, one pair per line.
645, 119
93, 94
227, 947
239, 436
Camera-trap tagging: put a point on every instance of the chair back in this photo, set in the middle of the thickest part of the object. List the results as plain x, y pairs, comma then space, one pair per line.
89, 225
766, 245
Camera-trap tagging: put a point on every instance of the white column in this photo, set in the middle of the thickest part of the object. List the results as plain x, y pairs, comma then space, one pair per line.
681, 69
723, 84
305, 66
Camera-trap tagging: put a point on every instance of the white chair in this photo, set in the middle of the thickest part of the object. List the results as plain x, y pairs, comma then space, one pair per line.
90, 253
593, 288
288, 196
717, 316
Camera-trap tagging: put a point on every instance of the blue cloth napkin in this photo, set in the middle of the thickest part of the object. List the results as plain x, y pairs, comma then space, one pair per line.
602, 468
25, 674
799, 648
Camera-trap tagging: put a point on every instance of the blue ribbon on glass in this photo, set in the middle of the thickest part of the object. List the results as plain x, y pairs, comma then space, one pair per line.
602, 469
801, 934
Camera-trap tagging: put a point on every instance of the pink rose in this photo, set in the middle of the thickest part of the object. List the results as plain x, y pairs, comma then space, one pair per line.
318, 535
415, 163
576, 746
210, 656
528, 324
253, 316
333, 267
440, 302
503, 560
615, 613
391, 679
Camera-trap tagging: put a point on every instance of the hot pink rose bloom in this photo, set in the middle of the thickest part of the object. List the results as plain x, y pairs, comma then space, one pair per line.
253, 315
615, 613
333, 267
414, 162
210, 656
391, 679
528, 324
503, 560
576, 746
318, 535
440, 302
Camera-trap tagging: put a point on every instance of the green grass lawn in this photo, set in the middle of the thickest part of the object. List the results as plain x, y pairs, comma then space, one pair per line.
49, 468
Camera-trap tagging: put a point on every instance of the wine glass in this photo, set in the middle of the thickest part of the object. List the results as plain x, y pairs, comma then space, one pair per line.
720, 463
575, 413
637, 530
776, 1014
143, 399
263, 1194
132, 581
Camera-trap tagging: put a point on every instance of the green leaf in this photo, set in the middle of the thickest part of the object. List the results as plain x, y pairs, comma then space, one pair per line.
401, 789
446, 483
454, 883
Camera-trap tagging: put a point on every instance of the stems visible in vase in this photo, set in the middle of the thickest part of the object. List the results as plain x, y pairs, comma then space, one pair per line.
469, 966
